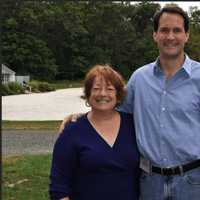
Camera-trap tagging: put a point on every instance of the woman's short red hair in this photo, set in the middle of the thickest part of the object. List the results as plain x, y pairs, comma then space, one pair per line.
110, 75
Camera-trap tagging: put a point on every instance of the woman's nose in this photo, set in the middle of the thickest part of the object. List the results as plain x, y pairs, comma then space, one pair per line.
103, 91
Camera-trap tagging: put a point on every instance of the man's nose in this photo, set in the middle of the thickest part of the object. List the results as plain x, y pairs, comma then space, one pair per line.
170, 35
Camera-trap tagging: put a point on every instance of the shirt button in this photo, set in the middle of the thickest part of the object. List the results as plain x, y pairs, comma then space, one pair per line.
164, 92
164, 159
161, 125
163, 108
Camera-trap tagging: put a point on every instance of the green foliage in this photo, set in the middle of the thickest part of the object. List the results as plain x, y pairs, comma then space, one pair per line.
31, 56
45, 87
39, 86
193, 45
23, 48
11, 88
61, 84
5, 90
16, 87
34, 86
61, 39
26, 177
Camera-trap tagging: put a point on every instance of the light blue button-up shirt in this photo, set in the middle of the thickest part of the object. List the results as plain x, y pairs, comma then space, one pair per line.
166, 113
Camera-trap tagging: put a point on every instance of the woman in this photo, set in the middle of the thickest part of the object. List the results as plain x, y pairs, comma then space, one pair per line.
96, 157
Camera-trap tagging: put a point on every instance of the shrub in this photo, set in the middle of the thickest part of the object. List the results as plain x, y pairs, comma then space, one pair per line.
38, 86
11, 88
5, 90
16, 88
34, 86
45, 87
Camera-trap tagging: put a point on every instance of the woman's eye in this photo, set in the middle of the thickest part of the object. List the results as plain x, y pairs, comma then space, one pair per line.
111, 89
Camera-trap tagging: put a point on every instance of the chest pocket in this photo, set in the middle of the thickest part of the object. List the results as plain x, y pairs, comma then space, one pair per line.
183, 97
183, 103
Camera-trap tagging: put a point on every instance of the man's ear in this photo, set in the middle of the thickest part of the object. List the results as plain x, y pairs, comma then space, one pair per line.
187, 36
155, 36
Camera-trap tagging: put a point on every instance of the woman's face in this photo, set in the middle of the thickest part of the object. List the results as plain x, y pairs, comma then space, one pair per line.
103, 95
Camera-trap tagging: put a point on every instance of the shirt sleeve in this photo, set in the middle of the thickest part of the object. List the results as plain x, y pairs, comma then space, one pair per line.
127, 105
63, 167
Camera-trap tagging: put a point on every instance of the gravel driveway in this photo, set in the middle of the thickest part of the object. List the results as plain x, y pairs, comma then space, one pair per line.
37, 106
18, 142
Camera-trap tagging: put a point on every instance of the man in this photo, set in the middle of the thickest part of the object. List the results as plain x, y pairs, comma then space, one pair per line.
164, 97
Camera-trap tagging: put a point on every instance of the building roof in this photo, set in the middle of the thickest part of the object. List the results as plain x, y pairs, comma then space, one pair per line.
6, 70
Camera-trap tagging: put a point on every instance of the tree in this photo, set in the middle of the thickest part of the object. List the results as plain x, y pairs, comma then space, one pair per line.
193, 46
62, 39
22, 49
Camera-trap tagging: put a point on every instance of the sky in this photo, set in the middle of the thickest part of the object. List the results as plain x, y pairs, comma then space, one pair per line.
183, 4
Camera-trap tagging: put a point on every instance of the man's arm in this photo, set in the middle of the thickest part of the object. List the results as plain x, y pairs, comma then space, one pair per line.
68, 119
128, 102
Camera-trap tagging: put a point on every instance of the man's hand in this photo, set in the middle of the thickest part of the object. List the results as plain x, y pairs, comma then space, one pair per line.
68, 119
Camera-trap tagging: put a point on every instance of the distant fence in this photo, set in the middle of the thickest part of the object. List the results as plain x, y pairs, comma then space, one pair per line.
21, 79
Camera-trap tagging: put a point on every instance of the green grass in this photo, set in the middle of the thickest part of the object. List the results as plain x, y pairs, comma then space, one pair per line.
26, 177
67, 84
61, 84
30, 125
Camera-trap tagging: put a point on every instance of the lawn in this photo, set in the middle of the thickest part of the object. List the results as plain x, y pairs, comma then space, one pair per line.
31, 125
26, 177
67, 84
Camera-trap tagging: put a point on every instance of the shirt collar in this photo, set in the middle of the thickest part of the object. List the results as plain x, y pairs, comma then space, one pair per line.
187, 66
157, 68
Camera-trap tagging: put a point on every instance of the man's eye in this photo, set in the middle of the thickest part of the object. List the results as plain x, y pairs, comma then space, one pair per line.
177, 30
164, 30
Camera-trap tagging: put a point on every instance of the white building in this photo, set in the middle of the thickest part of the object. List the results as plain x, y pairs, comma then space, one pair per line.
22, 79
8, 75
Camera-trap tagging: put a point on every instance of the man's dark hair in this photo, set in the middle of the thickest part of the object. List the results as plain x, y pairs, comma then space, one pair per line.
171, 8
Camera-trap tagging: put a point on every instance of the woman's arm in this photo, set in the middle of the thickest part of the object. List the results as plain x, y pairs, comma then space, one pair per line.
64, 163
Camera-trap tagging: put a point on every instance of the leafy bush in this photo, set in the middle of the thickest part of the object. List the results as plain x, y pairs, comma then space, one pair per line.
44, 87
38, 86
5, 90
11, 88
34, 86
16, 87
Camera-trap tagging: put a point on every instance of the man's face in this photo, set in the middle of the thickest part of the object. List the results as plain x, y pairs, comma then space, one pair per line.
171, 36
